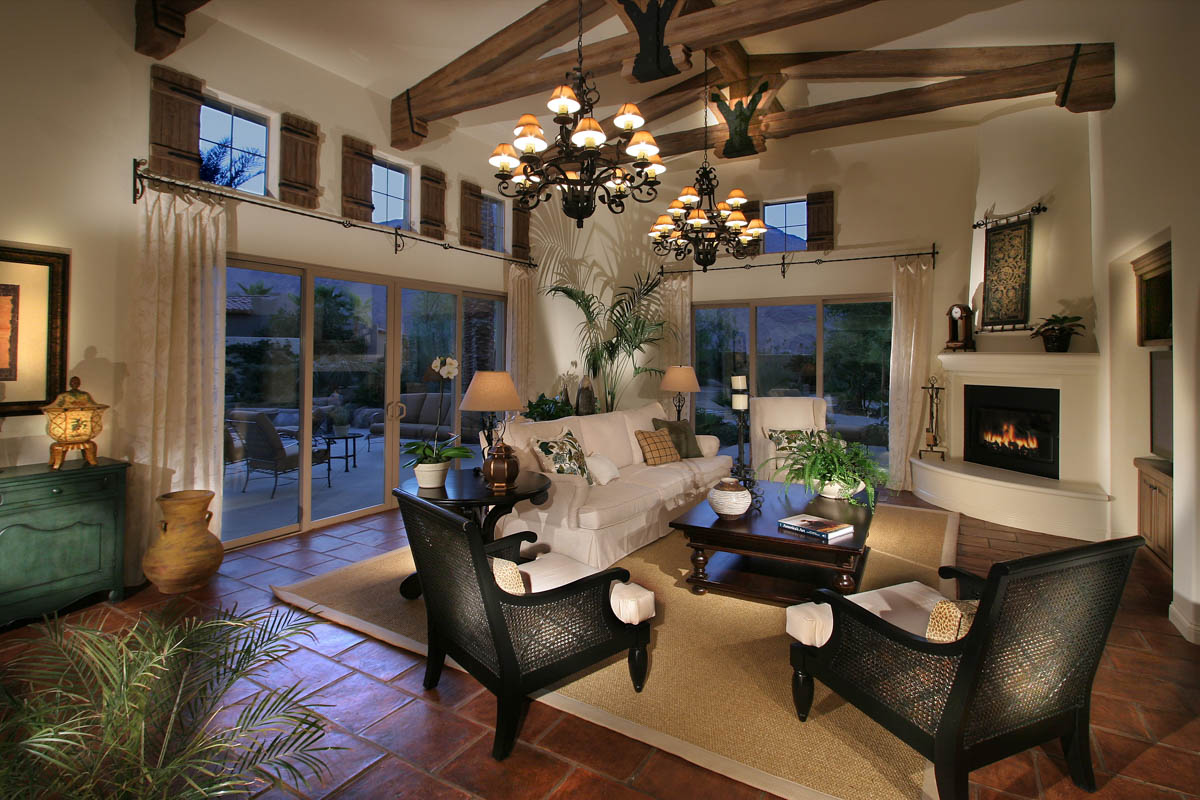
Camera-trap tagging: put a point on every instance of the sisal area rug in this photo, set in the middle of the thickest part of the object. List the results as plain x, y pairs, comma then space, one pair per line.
719, 688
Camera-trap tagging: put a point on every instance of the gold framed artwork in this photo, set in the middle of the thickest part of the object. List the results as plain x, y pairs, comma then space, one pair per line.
33, 328
1006, 274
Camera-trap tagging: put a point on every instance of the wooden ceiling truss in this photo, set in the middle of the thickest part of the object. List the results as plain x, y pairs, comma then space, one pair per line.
161, 25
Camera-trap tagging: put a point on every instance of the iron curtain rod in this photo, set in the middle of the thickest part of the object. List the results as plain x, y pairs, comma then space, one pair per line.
783, 264
141, 175
992, 222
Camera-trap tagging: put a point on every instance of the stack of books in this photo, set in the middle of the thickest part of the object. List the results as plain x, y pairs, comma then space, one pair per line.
816, 527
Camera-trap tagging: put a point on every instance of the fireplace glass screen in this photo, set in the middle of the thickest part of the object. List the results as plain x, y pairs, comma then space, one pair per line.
1012, 428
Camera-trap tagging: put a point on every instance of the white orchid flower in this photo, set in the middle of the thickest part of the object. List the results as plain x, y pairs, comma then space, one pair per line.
451, 362
448, 372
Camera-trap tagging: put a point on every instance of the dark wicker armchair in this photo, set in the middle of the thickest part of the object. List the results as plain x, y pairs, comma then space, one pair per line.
1022, 675
512, 644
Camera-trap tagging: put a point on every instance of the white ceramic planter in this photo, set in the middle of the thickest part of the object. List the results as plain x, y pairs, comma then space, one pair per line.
431, 476
840, 491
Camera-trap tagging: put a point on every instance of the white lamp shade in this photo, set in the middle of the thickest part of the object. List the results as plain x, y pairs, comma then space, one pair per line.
680, 379
491, 391
738, 383
741, 402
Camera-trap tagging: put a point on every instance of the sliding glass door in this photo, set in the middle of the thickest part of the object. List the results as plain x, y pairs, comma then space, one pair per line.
722, 351
428, 330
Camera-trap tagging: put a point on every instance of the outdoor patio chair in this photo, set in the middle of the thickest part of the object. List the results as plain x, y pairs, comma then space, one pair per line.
234, 447
266, 450
1020, 676
515, 644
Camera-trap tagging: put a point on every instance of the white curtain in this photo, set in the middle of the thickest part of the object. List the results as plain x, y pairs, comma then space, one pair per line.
912, 284
518, 346
676, 294
175, 395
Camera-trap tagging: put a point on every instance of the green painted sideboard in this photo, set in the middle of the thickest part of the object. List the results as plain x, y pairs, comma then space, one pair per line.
62, 535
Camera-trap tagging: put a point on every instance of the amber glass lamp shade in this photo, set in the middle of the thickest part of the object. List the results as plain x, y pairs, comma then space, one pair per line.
73, 420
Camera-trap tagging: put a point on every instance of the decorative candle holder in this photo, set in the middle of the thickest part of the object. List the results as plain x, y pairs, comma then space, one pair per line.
73, 420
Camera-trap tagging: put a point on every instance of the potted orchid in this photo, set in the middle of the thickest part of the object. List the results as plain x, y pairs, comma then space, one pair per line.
431, 460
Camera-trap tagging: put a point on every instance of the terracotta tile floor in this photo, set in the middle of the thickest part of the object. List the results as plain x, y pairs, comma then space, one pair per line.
402, 741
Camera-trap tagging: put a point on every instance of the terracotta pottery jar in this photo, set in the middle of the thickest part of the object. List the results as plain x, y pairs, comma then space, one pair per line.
186, 554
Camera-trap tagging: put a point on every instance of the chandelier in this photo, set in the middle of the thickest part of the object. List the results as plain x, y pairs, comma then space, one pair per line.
578, 165
696, 224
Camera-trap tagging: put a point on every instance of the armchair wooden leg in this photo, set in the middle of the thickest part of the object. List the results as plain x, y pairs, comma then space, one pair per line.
435, 658
509, 711
951, 778
638, 662
1079, 753
802, 693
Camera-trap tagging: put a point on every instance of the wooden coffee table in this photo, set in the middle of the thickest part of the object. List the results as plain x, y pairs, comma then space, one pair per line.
751, 556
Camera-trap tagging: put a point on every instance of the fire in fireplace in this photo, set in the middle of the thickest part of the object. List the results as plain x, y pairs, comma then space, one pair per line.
1012, 427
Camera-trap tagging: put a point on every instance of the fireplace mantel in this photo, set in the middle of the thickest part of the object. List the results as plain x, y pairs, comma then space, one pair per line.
1076, 506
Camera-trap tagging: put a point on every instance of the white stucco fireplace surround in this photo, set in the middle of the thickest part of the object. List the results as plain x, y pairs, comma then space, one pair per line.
1074, 506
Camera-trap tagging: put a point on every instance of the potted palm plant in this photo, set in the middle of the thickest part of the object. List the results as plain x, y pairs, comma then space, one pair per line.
829, 465
1056, 331
161, 709
431, 460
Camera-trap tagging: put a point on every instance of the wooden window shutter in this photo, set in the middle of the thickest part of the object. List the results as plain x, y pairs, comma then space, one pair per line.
752, 209
433, 202
175, 100
820, 220
520, 232
470, 219
299, 144
358, 157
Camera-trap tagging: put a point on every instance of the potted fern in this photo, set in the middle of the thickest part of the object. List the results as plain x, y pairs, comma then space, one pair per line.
828, 464
1056, 331
161, 709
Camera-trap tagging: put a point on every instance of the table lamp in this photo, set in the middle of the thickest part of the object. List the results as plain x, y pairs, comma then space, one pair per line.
490, 392
73, 421
679, 380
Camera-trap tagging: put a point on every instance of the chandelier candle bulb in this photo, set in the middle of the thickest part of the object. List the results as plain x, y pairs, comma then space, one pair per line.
663, 223
737, 198
724, 210
657, 167
530, 140
629, 117
588, 133
736, 220
697, 219
676, 209
756, 227
642, 146
527, 119
563, 101
688, 196
504, 158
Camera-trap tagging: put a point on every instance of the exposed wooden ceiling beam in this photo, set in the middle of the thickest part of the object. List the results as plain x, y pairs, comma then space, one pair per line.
697, 30
161, 25
1092, 77
949, 62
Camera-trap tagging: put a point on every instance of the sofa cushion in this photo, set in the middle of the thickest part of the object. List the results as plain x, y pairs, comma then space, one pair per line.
657, 447
507, 576
602, 469
641, 419
563, 455
674, 482
905, 605
950, 620
607, 435
708, 470
682, 436
616, 502
412, 402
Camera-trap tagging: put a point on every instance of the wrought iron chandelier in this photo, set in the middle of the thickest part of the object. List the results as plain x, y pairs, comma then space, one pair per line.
579, 165
696, 224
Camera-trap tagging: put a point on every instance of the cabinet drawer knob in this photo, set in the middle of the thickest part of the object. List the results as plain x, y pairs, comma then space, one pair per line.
56, 490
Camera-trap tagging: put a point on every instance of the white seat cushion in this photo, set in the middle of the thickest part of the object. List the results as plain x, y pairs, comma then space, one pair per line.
707, 471
673, 481
616, 502
905, 605
631, 602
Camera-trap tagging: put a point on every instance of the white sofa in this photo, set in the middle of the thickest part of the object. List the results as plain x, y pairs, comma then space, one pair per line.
600, 524
780, 413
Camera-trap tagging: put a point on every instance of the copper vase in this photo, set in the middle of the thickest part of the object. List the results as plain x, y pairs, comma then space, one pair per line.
186, 554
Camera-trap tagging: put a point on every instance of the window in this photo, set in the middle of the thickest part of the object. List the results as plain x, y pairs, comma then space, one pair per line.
833, 348
233, 147
389, 193
492, 219
787, 226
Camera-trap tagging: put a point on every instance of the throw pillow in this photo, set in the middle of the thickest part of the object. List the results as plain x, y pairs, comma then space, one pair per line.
682, 437
950, 620
657, 447
507, 575
562, 455
602, 469
783, 439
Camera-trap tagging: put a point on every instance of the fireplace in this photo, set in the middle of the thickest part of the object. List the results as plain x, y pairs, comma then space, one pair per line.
1012, 427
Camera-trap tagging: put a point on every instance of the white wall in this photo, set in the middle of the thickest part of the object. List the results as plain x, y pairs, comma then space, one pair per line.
76, 100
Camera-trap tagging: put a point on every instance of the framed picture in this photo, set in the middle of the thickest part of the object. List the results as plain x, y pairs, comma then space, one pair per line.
33, 328
1006, 274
